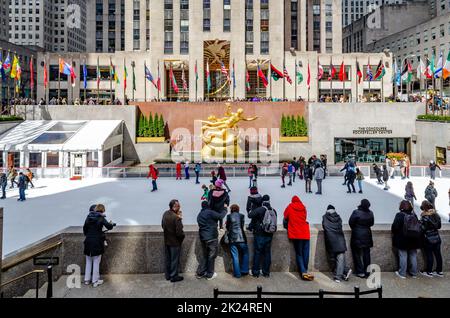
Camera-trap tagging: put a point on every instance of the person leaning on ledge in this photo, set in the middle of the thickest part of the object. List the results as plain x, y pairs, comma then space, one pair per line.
173, 238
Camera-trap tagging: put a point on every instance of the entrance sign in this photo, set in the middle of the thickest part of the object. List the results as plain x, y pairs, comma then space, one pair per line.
372, 131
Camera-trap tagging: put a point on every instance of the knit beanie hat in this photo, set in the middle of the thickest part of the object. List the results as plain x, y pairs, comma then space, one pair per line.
365, 204
330, 207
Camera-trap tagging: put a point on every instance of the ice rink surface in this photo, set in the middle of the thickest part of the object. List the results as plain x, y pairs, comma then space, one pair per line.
55, 204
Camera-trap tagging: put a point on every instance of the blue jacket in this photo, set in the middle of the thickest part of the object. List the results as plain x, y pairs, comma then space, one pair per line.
22, 182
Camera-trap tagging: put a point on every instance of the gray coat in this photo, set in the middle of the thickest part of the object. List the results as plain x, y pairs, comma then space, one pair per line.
319, 173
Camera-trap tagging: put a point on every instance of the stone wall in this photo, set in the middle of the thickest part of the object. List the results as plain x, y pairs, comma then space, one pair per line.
140, 250
429, 136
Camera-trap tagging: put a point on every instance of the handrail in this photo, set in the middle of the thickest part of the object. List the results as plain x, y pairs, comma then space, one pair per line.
26, 257
40, 271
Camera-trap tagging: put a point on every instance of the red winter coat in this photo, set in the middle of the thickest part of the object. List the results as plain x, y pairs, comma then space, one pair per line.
295, 213
152, 173
178, 167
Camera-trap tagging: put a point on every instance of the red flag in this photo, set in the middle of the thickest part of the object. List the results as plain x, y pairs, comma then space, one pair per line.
308, 81
158, 84
263, 78
31, 74
342, 75
286, 75
332, 72
358, 73
45, 76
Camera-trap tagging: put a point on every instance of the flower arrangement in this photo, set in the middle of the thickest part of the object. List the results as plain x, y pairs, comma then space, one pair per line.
396, 155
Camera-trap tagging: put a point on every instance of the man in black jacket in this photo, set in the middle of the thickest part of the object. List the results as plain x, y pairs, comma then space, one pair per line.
173, 238
262, 242
207, 222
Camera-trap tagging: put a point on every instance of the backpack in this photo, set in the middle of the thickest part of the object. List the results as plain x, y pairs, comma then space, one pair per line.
269, 223
411, 226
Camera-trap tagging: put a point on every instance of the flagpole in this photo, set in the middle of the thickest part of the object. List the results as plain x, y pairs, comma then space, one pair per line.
132, 85
71, 84
309, 85
85, 79
343, 83
270, 78
234, 80
442, 92
110, 80
158, 86
145, 81
284, 78
295, 78
196, 81
31, 75
257, 81
331, 77
59, 77
357, 83
369, 79
98, 81
1, 82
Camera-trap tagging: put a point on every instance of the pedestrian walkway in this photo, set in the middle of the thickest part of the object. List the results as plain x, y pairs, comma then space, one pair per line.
155, 286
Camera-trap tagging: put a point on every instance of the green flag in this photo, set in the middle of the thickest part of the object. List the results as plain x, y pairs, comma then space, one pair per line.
299, 77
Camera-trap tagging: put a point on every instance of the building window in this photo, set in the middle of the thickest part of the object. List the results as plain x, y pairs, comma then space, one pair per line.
52, 159
184, 26
226, 16
35, 160
264, 26
136, 25
206, 15
107, 157
168, 26
249, 26
117, 152
92, 159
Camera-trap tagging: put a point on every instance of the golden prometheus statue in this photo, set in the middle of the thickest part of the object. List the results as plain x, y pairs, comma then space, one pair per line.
221, 135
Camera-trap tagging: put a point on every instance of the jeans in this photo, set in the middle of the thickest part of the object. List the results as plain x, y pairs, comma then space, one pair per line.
250, 179
4, 190
155, 186
197, 175
282, 179
351, 183
239, 268
293, 176
319, 186
307, 185
290, 178
302, 255
338, 264
262, 246
433, 174
360, 185
430, 250
22, 194
406, 256
13, 180
172, 261
186, 172
361, 259
208, 258
92, 262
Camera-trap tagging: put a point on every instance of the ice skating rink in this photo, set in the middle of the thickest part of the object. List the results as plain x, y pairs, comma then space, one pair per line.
58, 203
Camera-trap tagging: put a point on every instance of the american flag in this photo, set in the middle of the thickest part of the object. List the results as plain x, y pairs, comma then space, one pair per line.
286, 75
224, 71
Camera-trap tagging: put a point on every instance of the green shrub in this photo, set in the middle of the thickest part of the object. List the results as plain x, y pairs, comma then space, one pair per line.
292, 126
10, 118
434, 118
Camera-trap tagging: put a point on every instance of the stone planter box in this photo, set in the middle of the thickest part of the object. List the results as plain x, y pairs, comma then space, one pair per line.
150, 139
294, 139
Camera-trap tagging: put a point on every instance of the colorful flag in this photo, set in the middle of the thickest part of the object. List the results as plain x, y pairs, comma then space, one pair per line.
397, 74
2, 70
299, 75
342, 73
183, 79
125, 75
158, 83
380, 70
224, 71
7, 64
148, 76
14, 67
446, 70
308, 80
359, 74
407, 72
45, 76
247, 80
233, 75
286, 75
134, 80
319, 71
99, 76
31, 74
173, 80
276, 74
208, 77
439, 67
84, 75
262, 76
431, 67
332, 72
369, 74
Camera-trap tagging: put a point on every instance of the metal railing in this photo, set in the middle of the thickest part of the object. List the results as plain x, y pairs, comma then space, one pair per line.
168, 170
320, 294
49, 271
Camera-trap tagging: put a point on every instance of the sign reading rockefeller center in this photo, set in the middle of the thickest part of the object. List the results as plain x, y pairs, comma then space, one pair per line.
372, 131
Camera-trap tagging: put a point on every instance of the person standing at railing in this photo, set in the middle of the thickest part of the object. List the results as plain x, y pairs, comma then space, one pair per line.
153, 174
3, 184
94, 243
178, 171
433, 165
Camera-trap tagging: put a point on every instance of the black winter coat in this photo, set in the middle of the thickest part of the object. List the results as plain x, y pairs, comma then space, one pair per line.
257, 216
217, 198
235, 228
207, 223
334, 235
253, 201
94, 243
399, 240
360, 222
431, 223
